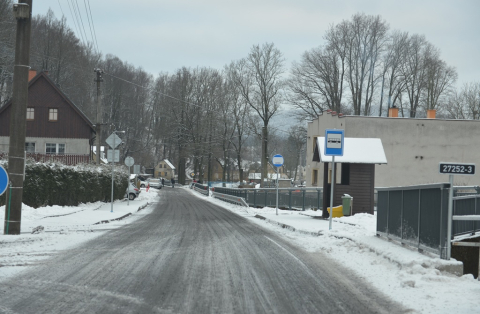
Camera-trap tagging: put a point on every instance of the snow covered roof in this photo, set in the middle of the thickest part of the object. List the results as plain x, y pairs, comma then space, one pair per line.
356, 150
169, 164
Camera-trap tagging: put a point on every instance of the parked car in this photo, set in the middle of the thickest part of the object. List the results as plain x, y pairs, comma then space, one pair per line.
155, 183
132, 192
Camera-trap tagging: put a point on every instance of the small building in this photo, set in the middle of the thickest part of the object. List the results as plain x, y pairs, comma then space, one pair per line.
164, 169
56, 128
414, 147
354, 172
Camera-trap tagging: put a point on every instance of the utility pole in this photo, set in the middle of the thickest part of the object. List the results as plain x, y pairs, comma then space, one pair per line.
18, 115
99, 79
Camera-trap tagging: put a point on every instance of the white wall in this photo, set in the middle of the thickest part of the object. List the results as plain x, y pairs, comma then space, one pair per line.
413, 147
72, 145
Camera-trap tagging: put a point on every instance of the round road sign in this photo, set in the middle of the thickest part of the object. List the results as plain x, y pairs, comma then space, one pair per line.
277, 160
3, 180
129, 161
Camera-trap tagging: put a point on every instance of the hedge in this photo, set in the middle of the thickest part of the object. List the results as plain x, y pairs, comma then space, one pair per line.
48, 184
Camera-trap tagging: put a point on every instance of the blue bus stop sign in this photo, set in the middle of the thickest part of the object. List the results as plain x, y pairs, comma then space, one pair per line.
334, 142
3, 180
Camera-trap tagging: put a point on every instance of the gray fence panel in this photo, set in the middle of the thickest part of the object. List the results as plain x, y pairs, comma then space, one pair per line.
466, 206
382, 211
430, 217
411, 215
395, 213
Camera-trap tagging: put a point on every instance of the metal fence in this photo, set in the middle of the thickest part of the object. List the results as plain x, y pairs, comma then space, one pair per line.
415, 215
462, 206
288, 198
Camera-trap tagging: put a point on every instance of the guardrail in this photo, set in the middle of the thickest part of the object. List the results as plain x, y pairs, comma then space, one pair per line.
230, 198
201, 188
288, 198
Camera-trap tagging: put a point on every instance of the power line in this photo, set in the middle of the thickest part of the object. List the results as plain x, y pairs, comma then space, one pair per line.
81, 20
61, 7
75, 20
93, 25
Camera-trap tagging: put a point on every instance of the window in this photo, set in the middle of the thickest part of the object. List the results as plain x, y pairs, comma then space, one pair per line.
53, 148
52, 114
30, 147
315, 177
345, 174
30, 113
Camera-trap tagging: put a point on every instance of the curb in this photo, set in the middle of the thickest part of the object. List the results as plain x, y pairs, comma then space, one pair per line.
284, 226
120, 218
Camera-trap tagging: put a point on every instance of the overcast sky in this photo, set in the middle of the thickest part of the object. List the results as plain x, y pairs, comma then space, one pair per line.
164, 35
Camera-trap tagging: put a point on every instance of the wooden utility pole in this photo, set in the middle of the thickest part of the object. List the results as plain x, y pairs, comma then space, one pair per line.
99, 79
18, 116
264, 162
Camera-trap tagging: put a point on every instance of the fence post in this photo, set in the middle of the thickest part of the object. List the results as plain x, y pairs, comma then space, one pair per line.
290, 199
303, 202
265, 205
318, 199
255, 198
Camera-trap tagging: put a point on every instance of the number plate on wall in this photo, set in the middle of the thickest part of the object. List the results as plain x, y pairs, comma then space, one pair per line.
456, 168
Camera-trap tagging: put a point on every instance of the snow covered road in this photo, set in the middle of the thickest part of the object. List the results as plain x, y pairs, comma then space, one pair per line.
190, 256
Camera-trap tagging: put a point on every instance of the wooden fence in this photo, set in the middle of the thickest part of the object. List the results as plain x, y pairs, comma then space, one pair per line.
66, 159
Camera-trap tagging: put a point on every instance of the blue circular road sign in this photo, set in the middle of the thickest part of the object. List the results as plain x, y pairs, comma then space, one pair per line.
3, 180
277, 160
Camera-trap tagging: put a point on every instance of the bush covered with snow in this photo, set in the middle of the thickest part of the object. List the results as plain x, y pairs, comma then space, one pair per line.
48, 184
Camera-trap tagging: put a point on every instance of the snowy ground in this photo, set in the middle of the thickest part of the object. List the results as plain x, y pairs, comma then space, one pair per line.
411, 278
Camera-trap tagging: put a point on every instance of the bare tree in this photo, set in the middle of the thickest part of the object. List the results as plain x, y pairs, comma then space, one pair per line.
365, 41
393, 61
316, 83
439, 81
260, 81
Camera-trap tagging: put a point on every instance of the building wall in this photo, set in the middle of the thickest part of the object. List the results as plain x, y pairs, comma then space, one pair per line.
413, 147
72, 145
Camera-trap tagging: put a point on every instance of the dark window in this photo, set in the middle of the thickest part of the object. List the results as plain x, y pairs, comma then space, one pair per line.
30, 147
314, 177
345, 174
54, 148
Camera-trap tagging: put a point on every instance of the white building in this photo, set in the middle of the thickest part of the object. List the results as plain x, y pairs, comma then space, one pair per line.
413, 147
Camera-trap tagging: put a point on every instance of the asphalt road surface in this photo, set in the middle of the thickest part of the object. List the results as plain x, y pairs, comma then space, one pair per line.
189, 256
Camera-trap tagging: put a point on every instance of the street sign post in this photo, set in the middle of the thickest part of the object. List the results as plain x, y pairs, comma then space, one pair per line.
129, 162
452, 169
334, 140
3, 180
113, 140
277, 161
113, 155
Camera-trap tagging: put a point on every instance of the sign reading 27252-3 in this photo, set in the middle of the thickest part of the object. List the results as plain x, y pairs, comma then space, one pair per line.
456, 168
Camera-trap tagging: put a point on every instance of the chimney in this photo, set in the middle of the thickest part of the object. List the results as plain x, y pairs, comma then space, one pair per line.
31, 74
431, 113
393, 112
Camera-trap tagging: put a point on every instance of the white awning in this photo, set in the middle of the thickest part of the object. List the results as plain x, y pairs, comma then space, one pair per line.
356, 150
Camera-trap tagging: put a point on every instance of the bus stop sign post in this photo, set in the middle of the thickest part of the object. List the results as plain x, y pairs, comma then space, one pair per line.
333, 147
451, 169
277, 161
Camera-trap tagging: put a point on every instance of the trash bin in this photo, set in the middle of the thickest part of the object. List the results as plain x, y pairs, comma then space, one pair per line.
347, 201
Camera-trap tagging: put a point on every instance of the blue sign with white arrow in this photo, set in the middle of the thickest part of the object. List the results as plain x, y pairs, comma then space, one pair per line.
3, 180
334, 142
